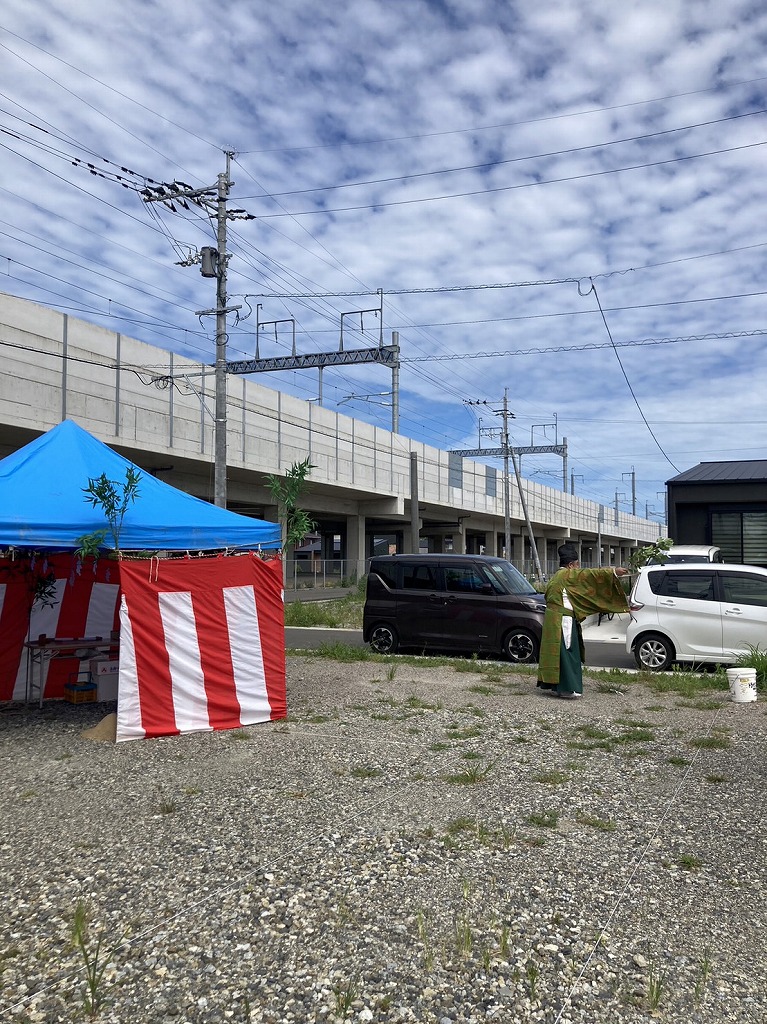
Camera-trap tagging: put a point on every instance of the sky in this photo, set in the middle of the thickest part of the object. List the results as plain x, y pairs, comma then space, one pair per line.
560, 203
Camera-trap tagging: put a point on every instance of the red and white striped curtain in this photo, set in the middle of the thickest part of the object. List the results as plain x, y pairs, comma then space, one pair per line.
202, 645
84, 604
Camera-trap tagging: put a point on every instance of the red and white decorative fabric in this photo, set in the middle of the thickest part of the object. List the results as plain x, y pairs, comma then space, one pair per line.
202, 645
84, 605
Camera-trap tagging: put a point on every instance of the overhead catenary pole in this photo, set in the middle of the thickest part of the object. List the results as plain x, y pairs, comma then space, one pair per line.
633, 476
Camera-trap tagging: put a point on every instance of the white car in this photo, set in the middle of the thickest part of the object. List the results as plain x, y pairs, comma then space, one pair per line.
695, 612
693, 553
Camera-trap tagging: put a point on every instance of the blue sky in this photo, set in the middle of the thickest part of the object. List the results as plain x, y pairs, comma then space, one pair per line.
560, 199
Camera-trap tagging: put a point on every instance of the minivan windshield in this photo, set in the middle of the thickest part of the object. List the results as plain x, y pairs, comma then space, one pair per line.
509, 579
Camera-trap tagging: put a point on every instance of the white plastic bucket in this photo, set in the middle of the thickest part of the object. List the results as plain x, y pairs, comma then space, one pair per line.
742, 683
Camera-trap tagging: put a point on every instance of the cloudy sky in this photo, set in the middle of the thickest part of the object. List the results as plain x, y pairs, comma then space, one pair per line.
563, 201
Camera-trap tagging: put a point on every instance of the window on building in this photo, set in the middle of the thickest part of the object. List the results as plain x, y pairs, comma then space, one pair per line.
742, 536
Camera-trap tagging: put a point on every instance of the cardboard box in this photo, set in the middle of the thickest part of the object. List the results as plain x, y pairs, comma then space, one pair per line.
104, 673
103, 667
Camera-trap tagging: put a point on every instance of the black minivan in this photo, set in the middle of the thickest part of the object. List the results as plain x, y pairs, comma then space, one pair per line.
460, 602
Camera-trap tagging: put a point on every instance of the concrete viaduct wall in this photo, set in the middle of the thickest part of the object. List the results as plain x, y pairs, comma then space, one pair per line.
156, 408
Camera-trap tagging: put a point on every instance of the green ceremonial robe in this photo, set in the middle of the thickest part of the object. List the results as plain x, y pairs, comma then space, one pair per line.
590, 591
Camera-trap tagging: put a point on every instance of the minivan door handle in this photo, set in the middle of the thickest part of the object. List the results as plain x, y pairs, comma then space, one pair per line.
435, 598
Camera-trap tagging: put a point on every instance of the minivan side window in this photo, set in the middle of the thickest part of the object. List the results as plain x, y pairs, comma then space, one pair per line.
419, 577
695, 586
460, 579
742, 589
387, 571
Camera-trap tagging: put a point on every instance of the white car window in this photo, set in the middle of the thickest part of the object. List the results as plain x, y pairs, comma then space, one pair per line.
743, 589
696, 586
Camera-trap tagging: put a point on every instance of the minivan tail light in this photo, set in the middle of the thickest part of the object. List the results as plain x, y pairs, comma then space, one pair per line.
635, 606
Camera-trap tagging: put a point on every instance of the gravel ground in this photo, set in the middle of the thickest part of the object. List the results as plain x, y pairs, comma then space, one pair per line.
416, 844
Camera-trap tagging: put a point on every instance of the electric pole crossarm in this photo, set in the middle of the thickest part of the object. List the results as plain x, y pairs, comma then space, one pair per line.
387, 355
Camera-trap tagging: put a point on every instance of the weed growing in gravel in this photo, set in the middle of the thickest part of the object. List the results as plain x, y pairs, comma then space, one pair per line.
678, 762
486, 691
239, 734
532, 973
95, 962
702, 704
465, 732
688, 862
437, 747
391, 671
165, 804
553, 777
470, 776
458, 825
604, 824
345, 994
544, 819
472, 709
471, 664
363, 772
711, 742
421, 705
704, 973
464, 939
656, 985
635, 735
716, 779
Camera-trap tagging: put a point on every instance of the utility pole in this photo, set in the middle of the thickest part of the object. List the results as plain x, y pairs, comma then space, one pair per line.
219, 465
506, 498
506, 451
213, 199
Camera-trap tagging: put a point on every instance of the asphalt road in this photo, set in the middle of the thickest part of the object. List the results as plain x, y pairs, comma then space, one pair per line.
599, 653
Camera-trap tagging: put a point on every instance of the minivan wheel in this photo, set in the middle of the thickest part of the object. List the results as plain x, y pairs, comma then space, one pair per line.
654, 652
383, 639
520, 646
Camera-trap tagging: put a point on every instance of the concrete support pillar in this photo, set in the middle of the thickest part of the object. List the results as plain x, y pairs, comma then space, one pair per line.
540, 544
355, 553
518, 551
271, 513
459, 542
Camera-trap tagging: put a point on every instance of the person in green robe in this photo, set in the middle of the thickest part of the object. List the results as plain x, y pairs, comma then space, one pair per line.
571, 595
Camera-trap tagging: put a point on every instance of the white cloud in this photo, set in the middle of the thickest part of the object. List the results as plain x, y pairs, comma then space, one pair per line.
303, 93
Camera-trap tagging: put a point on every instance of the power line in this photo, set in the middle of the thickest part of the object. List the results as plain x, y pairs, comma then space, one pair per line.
628, 382
507, 124
508, 160
511, 188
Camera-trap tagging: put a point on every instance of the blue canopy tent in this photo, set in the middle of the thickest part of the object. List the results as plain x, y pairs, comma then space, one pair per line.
43, 505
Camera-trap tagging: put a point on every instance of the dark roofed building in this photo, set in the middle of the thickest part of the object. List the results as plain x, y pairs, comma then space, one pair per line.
722, 503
